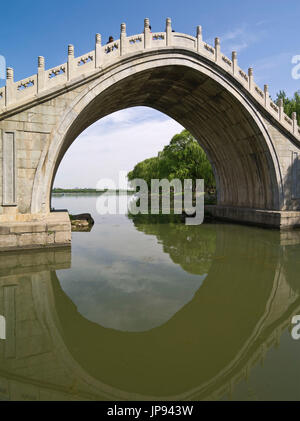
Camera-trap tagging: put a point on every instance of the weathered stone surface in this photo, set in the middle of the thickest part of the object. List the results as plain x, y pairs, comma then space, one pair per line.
4, 230
58, 227
7, 241
32, 239
259, 217
36, 234
20, 228
63, 237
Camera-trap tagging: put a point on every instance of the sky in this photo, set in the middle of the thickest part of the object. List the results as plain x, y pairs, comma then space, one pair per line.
264, 33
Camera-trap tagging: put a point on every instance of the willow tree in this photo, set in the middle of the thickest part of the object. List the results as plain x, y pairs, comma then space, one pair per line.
182, 159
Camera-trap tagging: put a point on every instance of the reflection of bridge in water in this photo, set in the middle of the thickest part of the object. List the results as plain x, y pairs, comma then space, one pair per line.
202, 352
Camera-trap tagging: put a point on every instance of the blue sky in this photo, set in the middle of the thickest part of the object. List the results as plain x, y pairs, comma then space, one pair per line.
265, 33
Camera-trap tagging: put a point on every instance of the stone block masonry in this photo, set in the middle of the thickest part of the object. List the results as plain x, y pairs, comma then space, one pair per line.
51, 230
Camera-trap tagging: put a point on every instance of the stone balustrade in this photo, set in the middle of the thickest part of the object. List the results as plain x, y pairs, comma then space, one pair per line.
19, 93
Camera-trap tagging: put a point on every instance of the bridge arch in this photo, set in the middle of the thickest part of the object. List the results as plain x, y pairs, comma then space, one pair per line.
197, 93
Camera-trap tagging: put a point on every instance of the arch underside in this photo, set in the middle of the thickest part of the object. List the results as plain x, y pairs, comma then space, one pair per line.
232, 139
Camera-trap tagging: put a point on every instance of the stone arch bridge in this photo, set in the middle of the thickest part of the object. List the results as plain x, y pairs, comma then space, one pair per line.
252, 144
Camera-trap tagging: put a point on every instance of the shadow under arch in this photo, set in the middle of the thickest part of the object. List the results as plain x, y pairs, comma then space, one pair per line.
211, 106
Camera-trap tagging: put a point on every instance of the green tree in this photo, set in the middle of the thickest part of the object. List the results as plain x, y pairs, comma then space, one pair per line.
290, 105
183, 158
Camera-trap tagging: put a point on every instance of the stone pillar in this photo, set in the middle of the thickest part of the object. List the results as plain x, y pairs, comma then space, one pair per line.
217, 50
71, 62
199, 39
98, 50
10, 94
234, 62
41, 74
168, 32
123, 39
267, 96
147, 34
250, 78
295, 124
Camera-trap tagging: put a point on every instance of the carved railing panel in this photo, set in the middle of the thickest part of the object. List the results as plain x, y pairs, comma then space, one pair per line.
28, 88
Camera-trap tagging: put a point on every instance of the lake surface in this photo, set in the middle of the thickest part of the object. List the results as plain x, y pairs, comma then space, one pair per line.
146, 308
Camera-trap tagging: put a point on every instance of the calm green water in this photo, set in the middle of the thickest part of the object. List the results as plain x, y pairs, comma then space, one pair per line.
147, 309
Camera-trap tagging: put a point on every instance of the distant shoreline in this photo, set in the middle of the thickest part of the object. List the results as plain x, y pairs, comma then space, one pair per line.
89, 191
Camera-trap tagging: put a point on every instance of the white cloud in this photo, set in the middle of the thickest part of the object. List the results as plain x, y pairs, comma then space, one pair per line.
115, 143
240, 38
132, 285
273, 61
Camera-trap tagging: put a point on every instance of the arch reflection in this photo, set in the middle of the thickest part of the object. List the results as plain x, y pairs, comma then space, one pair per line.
202, 352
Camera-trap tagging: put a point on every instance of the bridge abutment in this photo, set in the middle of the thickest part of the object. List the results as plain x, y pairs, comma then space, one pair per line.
259, 217
35, 231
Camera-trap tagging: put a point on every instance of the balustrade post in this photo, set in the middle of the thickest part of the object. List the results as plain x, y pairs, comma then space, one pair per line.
295, 123
217, 50
123, 39
41, 74
147, 34
267, 96
10, 93
280, 106
98, 60
169, 35
234, 63
199, 39
250, 78
71, 62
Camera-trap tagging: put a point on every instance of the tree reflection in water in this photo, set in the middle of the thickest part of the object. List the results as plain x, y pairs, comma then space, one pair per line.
203, 351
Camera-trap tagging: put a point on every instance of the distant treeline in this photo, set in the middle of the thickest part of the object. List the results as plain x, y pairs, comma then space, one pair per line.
87, 190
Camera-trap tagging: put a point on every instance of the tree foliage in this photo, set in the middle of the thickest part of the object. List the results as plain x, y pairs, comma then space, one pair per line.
183, 159
290, 105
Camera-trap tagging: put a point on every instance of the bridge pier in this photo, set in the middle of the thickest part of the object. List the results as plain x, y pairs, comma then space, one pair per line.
259, 217
35, 231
